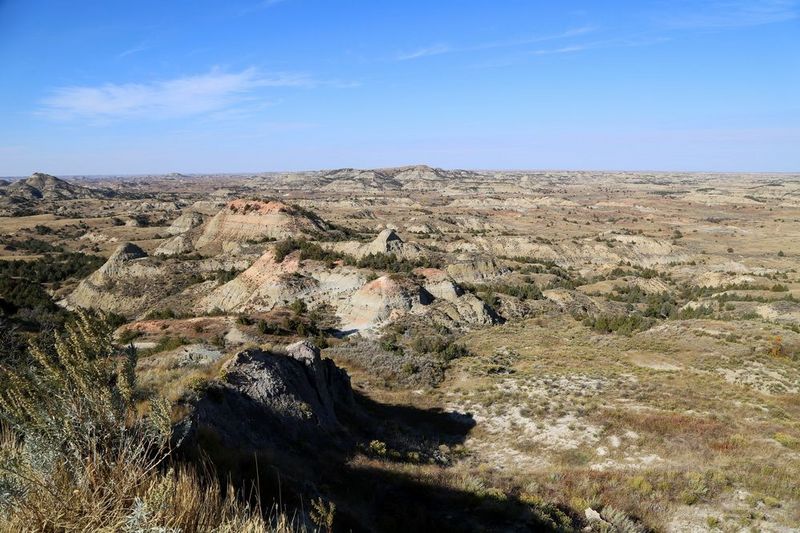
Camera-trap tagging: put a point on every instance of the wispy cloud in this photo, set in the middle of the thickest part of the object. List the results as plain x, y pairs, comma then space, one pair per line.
213, 92
433, 50
608, 43
141, 47
561, 50
442, 48
258, 6
726, 14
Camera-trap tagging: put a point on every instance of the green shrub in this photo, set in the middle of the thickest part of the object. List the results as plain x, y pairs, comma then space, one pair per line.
299, 307
161, 314
36, 246
224, 276
266, 328
384, 262
76, 455
622, 324
244, 320
129, 335
165, 344
443, 347
23, 292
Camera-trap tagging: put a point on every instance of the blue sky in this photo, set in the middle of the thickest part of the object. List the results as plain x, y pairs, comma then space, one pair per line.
94, 87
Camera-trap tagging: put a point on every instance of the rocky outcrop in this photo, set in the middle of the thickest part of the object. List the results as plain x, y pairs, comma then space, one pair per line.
389, 242
359, 304
116, 262
349, 179
439, 284
106, 288
604, 249
462, 312
270, 401
261, 286
207, 208
416, 177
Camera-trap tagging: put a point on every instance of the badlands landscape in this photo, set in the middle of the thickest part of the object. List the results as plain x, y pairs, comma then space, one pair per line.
424, 349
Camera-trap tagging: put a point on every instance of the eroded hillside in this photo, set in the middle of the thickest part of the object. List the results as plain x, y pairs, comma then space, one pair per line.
598, 348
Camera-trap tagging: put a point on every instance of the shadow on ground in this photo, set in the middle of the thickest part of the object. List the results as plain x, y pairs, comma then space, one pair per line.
402, 488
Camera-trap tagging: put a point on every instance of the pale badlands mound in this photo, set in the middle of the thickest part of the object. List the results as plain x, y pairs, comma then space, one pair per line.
130, 283
186, 222
268, 283
252, 220
105, 288
384, 299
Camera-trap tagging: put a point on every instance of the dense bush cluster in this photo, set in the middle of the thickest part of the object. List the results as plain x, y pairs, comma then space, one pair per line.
644, 273
318, 323
443, 347
658, 305
565, 278
36, 246
413, 348
524, 291
391, 263
162, 314
52, 268
288, 325
18, 294
308, 250
377, 261
23, 296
